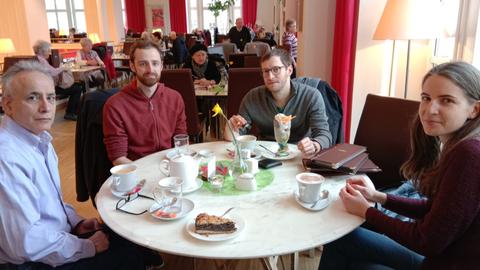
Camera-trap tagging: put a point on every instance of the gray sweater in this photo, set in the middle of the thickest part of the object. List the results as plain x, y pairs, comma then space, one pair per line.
306, 103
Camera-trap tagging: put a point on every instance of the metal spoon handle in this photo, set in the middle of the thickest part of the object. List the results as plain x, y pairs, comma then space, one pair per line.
273, 153
226, 212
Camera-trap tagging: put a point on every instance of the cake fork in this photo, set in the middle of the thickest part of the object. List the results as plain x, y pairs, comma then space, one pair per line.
227, 212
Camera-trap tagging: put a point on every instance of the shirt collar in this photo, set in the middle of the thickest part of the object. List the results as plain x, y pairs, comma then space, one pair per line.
23, 134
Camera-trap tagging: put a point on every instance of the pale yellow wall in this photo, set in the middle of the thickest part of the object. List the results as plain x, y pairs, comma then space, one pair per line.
91, 18
14, 25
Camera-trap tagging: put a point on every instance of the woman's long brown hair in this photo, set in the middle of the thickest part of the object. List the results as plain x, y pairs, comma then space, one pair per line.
426, 162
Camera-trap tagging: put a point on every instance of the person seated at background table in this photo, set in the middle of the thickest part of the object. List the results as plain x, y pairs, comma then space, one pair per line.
38, 230
86, 56
71, 33
445, 149
146, 34
204, 72
129, 35
199, 34
239, 34
144, 116
179, 49
289, 38
261, 33
280, 95
157, 37
226, 39
42, 50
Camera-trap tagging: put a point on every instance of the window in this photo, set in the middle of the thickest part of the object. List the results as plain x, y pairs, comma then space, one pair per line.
200, 17
443, 49
65, 14
123, 14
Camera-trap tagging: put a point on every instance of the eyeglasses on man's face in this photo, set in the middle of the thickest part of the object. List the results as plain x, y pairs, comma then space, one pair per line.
130, 198
275, 71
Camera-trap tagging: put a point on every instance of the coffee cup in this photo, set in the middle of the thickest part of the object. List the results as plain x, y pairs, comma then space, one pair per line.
169, 194
124, 176
309, 186
247, 142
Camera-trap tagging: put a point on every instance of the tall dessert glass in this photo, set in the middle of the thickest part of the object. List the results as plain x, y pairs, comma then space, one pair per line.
282, 134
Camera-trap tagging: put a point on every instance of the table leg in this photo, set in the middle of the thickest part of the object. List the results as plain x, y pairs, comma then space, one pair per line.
294, 261
265, 265
226, 265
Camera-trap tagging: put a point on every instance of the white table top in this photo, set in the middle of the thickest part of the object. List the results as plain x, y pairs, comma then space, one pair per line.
85, 69
275, 223
201, 91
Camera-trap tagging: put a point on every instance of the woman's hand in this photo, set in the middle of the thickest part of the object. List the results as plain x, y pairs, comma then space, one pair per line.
101, 64
92, 62
353, 201
367, 189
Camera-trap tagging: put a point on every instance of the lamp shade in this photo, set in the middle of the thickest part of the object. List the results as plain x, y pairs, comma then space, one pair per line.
94, 37
259, 22
61, 33
6, 46
410, 19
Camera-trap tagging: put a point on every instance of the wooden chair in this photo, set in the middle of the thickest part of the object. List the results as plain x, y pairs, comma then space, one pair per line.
216, 50
126, 47
284, 47
240, 82
259, 48
237, 60
252, 62
9, 61
181, 81
228, 48
384, 128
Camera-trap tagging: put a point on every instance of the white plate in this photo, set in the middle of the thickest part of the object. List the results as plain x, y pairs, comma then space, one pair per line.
240, 224
199, 183
293, 153
320, 205
119, 194
173, 153
187, 208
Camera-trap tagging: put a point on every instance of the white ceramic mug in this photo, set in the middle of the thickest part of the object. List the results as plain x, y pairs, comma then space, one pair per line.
169, 194
247, 142
309, 186
124, 176
184, 167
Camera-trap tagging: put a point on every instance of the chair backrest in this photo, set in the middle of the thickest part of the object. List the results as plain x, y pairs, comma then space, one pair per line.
181, 81
228, 48
240, 82
92, 165
384, 128
237, 60
270, 42
126, 47
284, 47
219, 38
252, 61
216, 50
9, 61
136, 35
259, 48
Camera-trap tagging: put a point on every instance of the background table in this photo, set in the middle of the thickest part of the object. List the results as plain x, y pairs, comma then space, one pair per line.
275, 223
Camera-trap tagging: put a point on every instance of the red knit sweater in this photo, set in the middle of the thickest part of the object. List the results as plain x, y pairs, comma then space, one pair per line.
447, 232
136, 126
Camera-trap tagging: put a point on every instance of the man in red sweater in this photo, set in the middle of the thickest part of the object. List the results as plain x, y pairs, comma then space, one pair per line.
144, 116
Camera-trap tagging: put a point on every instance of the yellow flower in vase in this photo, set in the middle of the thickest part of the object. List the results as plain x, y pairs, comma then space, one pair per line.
243, 167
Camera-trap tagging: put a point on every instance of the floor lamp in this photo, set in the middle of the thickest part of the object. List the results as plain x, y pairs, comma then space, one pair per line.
407, 20
6, 46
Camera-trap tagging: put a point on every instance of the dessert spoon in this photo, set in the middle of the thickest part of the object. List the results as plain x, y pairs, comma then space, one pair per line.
226, 212
323, 196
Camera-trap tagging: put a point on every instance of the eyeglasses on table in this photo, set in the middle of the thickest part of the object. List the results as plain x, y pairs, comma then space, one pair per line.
130, 198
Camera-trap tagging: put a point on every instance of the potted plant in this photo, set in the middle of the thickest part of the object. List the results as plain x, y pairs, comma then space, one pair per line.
218, 6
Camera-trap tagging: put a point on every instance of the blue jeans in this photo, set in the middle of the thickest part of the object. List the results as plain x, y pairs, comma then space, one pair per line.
121, 255
365, 249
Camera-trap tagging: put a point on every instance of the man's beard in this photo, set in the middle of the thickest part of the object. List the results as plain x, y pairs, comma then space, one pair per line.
149, 82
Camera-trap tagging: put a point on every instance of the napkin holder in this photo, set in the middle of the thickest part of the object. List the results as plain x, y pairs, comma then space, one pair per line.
246, 181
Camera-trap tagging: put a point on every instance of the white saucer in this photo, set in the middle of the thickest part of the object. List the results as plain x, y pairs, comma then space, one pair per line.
293, 153
199, 183
239, 221
119, 194
173, 153
187, 208
257, 151
320, 205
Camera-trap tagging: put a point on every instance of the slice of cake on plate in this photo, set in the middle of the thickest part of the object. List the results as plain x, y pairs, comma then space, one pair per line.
206, 224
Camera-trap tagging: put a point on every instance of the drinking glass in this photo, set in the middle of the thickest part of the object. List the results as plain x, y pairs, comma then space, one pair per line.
282, 134
181, 143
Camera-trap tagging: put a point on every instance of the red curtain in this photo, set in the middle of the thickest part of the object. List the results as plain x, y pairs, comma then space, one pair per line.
178, 16
249, 12
343, 63
135, 13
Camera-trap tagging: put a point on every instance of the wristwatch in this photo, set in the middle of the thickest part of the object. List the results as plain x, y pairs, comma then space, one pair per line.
315, 148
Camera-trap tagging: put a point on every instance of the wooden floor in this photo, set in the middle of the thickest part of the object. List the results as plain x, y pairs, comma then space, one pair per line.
63, 132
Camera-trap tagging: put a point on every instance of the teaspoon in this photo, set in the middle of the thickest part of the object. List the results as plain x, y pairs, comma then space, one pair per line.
323, 196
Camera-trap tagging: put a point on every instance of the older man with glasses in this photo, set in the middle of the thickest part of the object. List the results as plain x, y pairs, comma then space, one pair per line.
280, 95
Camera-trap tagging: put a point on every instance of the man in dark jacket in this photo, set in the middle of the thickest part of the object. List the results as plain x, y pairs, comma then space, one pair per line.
240, 34
179, 49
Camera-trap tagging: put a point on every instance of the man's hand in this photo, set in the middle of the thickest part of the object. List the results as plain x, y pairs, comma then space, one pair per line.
100, 241
92, 63
236, 122
87, 225
306, 146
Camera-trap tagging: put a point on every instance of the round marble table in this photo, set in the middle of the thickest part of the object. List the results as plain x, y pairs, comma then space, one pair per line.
275, 223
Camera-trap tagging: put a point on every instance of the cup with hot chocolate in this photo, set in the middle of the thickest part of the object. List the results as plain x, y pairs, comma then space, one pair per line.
309, 186
247, 142
124, 176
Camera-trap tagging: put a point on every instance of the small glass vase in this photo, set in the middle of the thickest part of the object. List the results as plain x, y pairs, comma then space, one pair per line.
235, 169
